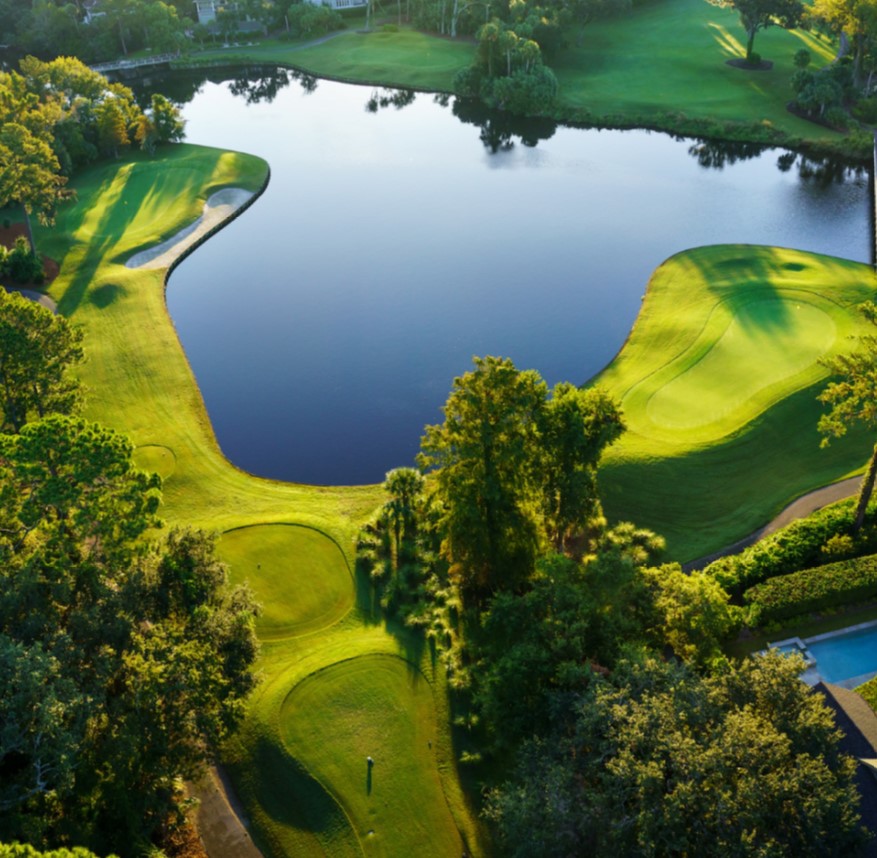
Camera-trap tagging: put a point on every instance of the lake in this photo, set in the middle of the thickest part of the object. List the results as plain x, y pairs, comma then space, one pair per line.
400, 235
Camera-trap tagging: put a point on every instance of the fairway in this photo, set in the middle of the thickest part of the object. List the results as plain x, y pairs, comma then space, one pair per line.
299, 576
379, 707
724, 352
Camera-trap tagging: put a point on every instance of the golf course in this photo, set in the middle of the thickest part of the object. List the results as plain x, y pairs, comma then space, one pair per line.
347, 747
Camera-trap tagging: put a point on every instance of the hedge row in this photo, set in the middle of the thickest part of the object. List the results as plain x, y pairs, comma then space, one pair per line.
814, 589
797, 546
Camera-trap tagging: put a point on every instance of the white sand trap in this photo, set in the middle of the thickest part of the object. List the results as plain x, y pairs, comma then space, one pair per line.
218, 208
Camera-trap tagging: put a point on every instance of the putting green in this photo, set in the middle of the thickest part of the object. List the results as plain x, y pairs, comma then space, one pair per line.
762, 346
375, 706
299, 575
718, 381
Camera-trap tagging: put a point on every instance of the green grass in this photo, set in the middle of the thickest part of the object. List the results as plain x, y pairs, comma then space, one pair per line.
300, 577
718, 382
299, 538
382, 707
406, 58
662, 65
669, 57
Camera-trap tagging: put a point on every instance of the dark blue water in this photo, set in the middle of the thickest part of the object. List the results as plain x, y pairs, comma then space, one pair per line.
326, 324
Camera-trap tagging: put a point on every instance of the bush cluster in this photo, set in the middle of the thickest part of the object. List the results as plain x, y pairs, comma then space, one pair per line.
803, 544
813, 589
20, 264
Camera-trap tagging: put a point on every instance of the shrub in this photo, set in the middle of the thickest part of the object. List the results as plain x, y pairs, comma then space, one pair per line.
837, 117
21, 264
754, 59
797, 546
522, 92
813, 589
865, 110
802, 58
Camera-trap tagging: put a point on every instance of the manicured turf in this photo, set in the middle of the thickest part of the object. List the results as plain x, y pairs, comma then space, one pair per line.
298, 538
661, 64
377, 706
669, 56
718, 381
300, 577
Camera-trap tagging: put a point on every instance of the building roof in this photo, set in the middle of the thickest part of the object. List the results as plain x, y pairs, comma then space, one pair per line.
858, 723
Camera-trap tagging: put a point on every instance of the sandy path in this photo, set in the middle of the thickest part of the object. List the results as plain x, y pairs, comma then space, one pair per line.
218, 208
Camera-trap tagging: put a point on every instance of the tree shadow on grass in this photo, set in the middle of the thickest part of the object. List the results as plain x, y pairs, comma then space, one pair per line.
106, 294
292, 798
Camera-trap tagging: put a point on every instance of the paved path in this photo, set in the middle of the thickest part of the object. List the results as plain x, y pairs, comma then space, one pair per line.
220, 818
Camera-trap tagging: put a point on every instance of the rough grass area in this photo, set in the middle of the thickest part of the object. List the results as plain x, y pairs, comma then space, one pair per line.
294, 543
718, 381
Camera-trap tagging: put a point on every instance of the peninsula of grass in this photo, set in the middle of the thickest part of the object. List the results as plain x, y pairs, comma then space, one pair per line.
661, 65
293, 543
718, 381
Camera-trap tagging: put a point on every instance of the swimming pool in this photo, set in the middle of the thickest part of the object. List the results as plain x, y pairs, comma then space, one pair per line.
846, 657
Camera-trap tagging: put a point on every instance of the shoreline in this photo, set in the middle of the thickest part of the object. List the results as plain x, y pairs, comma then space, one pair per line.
219, 208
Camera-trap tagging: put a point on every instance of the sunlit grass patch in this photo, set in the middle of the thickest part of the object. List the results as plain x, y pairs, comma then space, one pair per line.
718, 381
299, 576
379, 707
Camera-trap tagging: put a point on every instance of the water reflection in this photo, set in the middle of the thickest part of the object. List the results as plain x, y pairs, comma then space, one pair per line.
397, 98
391, 246
718, 154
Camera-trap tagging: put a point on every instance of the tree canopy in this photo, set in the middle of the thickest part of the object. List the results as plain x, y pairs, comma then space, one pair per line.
656, 760
126, 658
38, 350
514, 467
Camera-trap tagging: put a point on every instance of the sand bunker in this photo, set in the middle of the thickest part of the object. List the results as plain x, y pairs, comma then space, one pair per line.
218, 208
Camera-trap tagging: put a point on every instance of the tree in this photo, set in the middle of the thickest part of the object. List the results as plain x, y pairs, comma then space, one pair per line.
693, 614
576, 426
853, 399
486, 455
854, 19
656, 760
162, 124
533, 649
404, 485
29, 172
758, 15
38, 350
515, 468
126, 660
